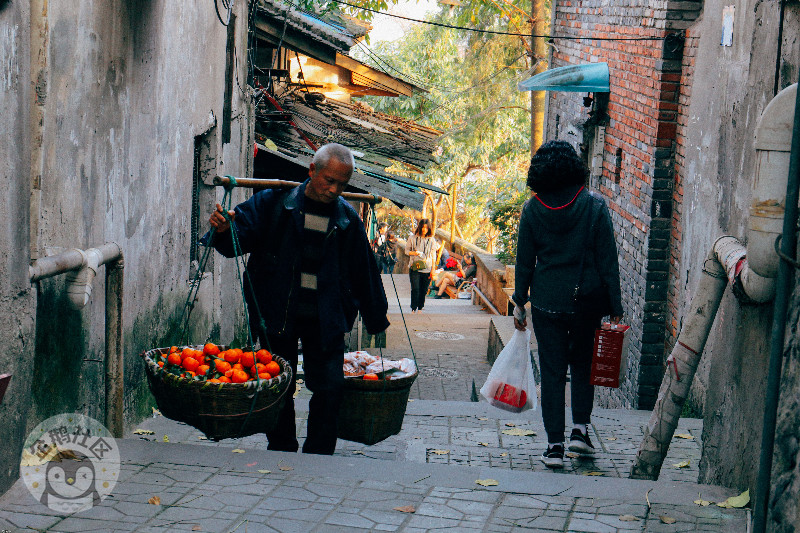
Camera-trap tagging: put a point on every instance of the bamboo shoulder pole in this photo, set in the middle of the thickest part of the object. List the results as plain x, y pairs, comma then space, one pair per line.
258, 184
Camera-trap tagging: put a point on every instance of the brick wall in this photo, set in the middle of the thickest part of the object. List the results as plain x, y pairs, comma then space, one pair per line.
630, 146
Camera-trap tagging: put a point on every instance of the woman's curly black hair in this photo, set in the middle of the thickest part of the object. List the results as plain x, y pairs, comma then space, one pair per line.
554, 166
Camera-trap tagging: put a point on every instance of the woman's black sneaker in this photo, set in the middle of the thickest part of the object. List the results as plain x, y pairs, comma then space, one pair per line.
580, 443
553, 457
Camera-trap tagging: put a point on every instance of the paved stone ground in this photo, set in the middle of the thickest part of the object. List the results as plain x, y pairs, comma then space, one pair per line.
446, 444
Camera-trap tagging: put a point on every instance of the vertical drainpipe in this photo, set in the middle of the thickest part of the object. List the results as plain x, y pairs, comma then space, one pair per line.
783, 290
114, 360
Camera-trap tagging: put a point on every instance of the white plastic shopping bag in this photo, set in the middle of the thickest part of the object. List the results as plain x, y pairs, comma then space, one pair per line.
510, 384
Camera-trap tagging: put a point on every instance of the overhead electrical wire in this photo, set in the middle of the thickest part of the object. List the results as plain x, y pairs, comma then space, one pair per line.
494, 32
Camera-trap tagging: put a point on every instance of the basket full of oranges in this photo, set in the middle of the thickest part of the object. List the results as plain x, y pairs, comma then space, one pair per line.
223, 392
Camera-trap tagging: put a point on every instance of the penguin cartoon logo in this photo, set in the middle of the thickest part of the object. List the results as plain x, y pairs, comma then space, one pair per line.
70, 463
70, 483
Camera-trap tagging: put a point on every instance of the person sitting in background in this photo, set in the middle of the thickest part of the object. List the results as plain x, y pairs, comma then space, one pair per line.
458, 276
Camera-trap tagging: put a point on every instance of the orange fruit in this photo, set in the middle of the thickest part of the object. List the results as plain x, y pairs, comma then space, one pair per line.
186, 352
224, 379
238, 351
161, 364
190, 363
264, 376
238, 366
273, 368
211, 349
258, 368
263, 356
247, 359
203, 369
239, 376
221, 366
174, 359
371, 377
173, 349
213, 380
232, 357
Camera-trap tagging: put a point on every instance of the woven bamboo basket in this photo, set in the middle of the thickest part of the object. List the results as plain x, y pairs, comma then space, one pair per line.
220, 410
372, 411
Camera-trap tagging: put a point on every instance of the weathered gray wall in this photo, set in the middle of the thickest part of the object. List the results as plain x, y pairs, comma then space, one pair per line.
16, 296
123, 87
730, 89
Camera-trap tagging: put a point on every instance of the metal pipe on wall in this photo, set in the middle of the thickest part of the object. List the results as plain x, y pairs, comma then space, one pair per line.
783, 289
109, 254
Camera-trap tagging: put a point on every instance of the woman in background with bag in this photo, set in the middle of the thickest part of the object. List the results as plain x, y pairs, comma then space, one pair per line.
567, 262
421, 252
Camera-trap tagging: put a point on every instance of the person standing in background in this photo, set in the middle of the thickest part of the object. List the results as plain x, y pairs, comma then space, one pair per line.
421, 250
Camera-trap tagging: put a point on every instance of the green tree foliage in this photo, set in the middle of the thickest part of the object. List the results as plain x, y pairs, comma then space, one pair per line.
470, 93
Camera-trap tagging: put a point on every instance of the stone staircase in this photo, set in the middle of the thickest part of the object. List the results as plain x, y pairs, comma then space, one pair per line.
423, 479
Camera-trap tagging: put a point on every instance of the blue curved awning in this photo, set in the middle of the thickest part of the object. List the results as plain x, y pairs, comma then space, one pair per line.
591, 78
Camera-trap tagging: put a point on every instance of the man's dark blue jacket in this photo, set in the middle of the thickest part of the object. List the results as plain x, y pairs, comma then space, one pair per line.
270, 228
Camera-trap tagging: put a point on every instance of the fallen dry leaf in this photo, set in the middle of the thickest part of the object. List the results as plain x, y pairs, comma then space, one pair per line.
703, 503
358, 452
487, 482
410, 400
517, 432
628, 518
483, 444
237, 450
252, 464
684, 436
482, 418
405, 509
572, 455
504, 454
265, 471
440, 452
166, 438
682, 464
286, 468
611, 438
647, 498
510, 425
594, 474
201, 437
667, 519
197, 527
736, 502
156, 412
155, 500
143, 432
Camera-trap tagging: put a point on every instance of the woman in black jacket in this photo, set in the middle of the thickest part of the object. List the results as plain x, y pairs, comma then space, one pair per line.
565, 241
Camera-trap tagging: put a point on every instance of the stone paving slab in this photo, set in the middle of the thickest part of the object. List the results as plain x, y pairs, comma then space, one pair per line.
472, 434
203, 489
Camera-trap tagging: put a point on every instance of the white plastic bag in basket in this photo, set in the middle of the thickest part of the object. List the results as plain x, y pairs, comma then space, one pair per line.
510, 384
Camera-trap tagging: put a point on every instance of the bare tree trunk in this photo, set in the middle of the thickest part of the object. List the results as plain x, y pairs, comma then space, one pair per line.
681, 368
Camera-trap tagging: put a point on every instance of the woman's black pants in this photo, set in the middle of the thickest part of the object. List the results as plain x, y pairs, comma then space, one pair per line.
420, 281
564, 340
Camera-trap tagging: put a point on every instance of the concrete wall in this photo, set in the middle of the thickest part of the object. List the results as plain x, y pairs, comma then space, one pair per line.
16, 297
730, 88
122, 88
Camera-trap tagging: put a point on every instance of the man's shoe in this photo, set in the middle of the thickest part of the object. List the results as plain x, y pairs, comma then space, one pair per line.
580, 442
553, 457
